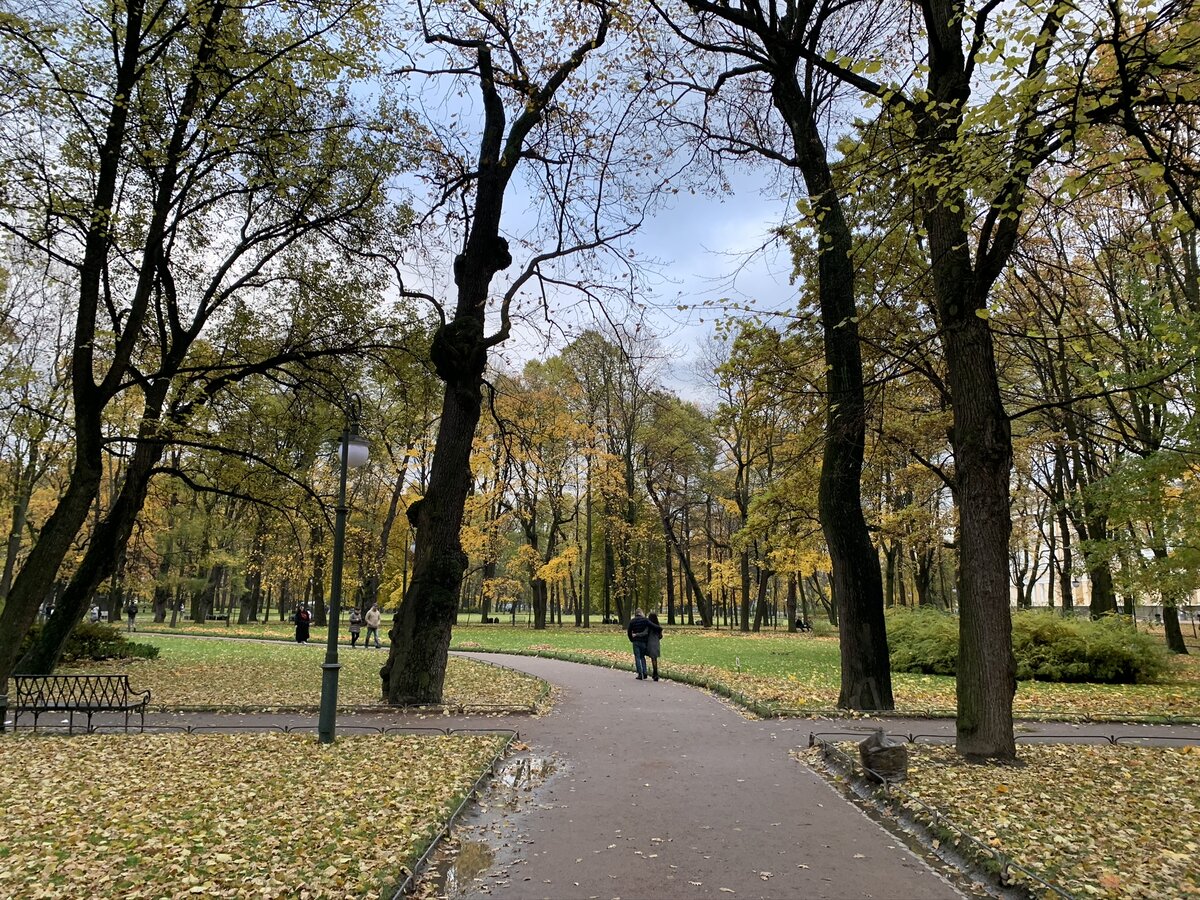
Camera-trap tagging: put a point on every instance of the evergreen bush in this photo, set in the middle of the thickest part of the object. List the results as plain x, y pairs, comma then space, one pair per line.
96, 641
1047, 647
924, 641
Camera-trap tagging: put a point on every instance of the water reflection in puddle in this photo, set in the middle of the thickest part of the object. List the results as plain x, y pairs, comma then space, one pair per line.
484, 840
473, 858
525, 773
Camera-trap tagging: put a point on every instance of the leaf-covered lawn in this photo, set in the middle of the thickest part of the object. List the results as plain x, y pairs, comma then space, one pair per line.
1105, 821
802, 672
228, 674
247, 815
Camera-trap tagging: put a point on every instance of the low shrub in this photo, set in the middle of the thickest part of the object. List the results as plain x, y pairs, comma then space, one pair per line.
924, 641
96, 641
1047, 647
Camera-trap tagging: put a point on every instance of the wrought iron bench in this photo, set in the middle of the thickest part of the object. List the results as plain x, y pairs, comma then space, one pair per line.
88, 694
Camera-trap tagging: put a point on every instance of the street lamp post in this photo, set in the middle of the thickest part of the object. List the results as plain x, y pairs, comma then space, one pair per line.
352, 451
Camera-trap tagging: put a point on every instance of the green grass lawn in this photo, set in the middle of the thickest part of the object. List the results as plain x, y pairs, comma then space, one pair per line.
251, 674
777, 672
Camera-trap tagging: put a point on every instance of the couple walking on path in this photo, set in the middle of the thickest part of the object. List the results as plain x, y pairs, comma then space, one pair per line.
646, 635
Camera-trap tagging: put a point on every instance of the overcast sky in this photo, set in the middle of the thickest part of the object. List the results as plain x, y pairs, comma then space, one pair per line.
710, 247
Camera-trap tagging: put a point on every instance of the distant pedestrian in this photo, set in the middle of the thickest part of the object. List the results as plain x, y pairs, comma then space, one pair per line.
94, 614
131, 611
374, 617
355, 626
654, 642
638, 632
302, 618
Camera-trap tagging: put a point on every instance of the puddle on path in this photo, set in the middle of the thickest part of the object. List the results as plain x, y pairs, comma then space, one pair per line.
485, 844
473, 858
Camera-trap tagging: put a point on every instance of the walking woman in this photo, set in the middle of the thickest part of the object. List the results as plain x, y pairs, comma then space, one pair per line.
302, 618
653, 642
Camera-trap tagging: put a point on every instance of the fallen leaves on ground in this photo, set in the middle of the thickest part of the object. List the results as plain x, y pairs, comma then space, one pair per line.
240, 674
1100, 821
247, 815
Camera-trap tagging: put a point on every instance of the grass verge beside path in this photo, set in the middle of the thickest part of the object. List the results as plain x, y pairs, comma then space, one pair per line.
245, 674
780, 673
1098, 821
246, 815
785, 673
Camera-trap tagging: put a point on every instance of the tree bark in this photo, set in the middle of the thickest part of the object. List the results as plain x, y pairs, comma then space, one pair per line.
857, 582
415, 670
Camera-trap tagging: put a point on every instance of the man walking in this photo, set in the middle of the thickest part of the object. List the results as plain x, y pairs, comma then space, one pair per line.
639, 635
373, 618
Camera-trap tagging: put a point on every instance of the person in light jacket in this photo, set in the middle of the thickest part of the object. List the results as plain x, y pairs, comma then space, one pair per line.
653, 642
374, 617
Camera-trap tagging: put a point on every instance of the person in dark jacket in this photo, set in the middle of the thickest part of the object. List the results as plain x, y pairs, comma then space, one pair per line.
639, 635
302, 618
653, 642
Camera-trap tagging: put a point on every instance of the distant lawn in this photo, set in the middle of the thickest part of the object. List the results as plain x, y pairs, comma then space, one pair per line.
249, 674
793, 672
218, 815
800, 672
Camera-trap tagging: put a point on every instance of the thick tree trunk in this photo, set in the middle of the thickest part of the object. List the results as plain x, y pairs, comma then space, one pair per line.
46, 555
1174, 634
104, 554
415, 671
981, 436
539, 587
857, 582
1104, 593
982, 445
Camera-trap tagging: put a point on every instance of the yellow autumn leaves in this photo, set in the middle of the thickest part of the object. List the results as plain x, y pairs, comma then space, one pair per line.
247, 815
1101, 821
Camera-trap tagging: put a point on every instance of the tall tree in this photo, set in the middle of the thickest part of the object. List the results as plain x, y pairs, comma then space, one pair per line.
768, 44
536, 117
189, 184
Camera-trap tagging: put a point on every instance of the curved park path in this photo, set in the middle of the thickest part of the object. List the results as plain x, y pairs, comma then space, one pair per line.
660, 790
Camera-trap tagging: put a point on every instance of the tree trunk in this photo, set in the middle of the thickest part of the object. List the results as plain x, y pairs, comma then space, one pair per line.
668, 552
1174, 634
104, 554
316, 593
857, 583
760, 602
586, 576
1104, 594
744, 593
25, 479
539, 591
